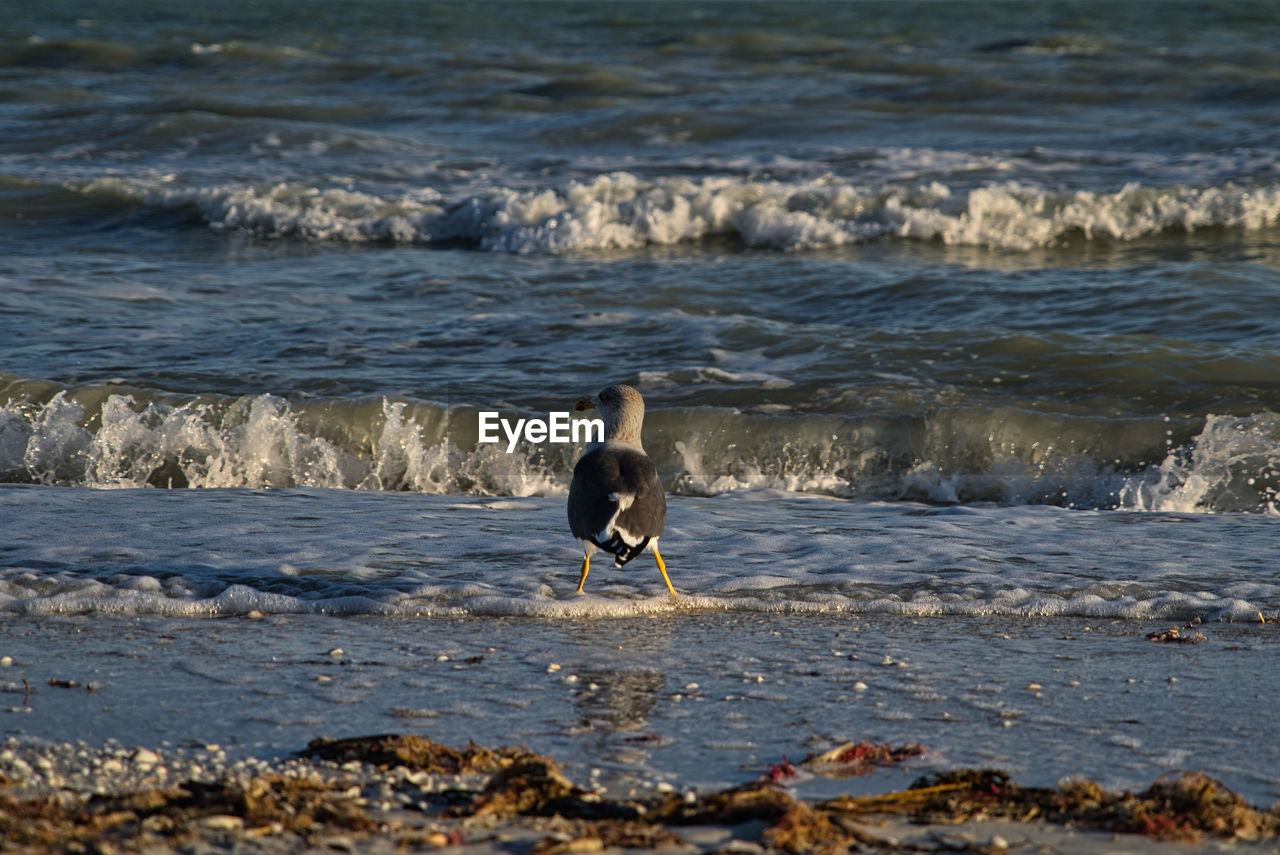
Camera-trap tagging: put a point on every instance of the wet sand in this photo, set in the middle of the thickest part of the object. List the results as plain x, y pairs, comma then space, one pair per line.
700, 700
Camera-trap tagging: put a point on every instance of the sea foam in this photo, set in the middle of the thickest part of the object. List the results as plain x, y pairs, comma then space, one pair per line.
341, 552
621, 210
97, 438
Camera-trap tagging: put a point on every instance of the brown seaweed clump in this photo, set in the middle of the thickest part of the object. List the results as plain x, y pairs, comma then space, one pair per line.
595, 836
534, 786
414, 752
1180, 807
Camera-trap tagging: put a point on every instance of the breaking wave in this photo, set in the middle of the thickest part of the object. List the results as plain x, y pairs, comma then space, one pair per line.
104, 438
620, 210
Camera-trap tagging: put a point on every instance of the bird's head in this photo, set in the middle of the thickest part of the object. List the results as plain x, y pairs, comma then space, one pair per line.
622, 408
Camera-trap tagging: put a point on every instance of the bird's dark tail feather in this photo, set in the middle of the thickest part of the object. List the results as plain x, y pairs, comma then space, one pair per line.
621, 551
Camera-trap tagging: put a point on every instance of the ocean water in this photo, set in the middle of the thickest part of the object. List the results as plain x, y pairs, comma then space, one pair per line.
958, 326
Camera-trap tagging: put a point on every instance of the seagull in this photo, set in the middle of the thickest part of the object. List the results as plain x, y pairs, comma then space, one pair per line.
616, 502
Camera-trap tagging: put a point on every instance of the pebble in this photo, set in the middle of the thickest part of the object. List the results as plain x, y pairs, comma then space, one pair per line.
6, 661
340, 843
706, 836
145, 758
336, 653
19, 766
859, 686
222, 822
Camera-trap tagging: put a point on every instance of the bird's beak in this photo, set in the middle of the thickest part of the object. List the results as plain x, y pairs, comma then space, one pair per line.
584, 404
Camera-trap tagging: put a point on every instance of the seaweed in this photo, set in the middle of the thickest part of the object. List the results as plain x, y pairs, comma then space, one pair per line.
1172, 635
414, 752
758, 800
594, 836
779, 772
534, 787
268, 805
301, 807
859, 758
1177, 807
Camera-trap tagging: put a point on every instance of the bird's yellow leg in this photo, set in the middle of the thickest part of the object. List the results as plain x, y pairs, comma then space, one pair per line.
586, 565
662, 568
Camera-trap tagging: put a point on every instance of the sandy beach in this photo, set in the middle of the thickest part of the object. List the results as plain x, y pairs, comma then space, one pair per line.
955, 326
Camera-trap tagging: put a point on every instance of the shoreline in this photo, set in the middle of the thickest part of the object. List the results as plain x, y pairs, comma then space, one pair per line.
637, 705
398, 793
